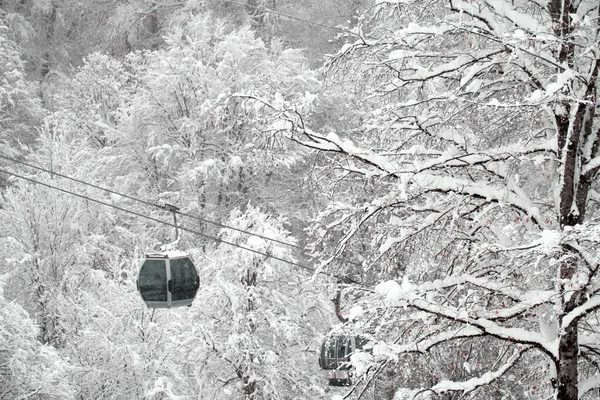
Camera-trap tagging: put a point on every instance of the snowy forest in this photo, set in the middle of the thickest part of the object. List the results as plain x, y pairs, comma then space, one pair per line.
383, 199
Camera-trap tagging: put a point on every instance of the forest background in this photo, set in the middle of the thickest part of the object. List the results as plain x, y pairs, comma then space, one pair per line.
430, 166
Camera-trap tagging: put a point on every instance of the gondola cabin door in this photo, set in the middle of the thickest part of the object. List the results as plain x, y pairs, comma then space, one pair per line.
335, 358
167, 280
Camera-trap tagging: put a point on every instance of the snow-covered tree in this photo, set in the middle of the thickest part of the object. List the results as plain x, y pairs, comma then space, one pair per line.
20, 109
192, 129
28, 368
72, 263
91, 103
50, 234
179, 125
256, 336
472, 181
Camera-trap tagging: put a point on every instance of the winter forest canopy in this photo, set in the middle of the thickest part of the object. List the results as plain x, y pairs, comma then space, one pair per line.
419, 176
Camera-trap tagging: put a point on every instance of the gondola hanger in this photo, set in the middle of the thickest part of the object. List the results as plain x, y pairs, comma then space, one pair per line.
173, 245
168, 278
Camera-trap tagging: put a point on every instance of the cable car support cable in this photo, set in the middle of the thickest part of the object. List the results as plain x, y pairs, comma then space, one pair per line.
165, 207
307, 21
174, 225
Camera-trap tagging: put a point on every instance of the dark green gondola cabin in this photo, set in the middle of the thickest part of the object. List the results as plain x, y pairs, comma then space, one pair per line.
167, 280
335, 358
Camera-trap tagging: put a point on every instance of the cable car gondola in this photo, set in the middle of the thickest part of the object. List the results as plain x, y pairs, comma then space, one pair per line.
168, 279
335, 358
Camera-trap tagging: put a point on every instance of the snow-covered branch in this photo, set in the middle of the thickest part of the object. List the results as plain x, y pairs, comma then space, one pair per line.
515, 335
474, 383
467, 386
428, 181
587, 384
510, 291
485, 322
424, 344
589, 306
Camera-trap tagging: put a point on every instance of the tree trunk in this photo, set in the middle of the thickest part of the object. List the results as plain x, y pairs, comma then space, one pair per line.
49, 35
573, 198
257, 14
566, 368
152, 27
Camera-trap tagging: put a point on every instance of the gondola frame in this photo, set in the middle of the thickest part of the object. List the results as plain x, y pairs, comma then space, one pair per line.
338, 369
167, 258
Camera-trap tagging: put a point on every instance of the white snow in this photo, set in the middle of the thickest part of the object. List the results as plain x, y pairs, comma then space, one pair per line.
236, 162
164, 386
422, 176
594, 163
382, 349
474, 383
537, 95
467, 366
389, 242
169, 253
550, 239
391, 290
585, 385
360, 361
281, 125
562, 78
356, 312
279, 102
3, 280
548, 322
256, 243
592, 303
396, 54
345, 48
520, 34
115, 198
406, 285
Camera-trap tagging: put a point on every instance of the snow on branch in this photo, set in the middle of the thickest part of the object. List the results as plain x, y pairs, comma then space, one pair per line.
516, 335
590, 166
431, 182
446, 184
458, 63
591, 305
514, 293
369, 213
592, 340
396, 294
506, 10
332, 142
504, 153
497, 14
467, 386
585, 385
423, 345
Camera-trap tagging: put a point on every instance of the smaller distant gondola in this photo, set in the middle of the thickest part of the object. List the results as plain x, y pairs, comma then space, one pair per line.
168, 279
335, 358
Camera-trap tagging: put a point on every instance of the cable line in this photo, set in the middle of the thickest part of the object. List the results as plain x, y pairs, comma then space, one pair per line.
149, 203
289, 16
180, 227
158, 220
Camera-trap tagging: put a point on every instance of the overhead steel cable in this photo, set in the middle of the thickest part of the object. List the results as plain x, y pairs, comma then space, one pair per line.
165, 223
149, 203
268, 10
313, 270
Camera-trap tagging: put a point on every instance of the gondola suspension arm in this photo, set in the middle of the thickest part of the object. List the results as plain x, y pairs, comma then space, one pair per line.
171, 246
336, 302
